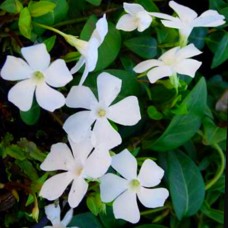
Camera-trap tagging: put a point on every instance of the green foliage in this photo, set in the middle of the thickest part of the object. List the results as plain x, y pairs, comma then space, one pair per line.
11, 6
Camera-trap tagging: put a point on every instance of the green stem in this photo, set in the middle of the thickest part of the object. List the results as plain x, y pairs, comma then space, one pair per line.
220, 169
142, 75
147, 212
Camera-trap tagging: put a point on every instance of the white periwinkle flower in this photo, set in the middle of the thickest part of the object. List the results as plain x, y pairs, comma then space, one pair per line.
136, 18
125, 112
89, 49
53, 211
38, 76
187, 19
176, 60
79, 166
126, 189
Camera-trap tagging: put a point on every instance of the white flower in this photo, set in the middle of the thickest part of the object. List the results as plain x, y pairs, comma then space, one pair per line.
77, 167
187, 19
136, 18
89, 49
126, 189
36, 75
175, 60
125, 112
52, 212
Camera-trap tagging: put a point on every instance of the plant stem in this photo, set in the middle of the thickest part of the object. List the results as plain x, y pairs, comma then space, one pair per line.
220, 168
147, 212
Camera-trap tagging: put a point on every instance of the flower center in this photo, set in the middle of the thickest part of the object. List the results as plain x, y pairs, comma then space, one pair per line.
38, 76
134, 185
101, 112
78, 171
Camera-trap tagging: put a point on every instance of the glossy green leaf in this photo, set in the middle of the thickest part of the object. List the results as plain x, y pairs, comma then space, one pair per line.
94, 2
38, 9
50, 42
153, 113
221, 53
31, 116
148, 5
11, 6
151, 226
24, 23
183, 127
186, 185
197, 37
143, 46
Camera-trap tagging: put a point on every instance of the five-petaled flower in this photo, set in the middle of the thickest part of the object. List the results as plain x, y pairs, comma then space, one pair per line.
136, 18
176, 60
53, 211
187, 19
85, 163
36, 75
125, 190
125, 112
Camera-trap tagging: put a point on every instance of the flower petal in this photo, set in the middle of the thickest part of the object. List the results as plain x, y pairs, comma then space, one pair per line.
150, 174
67, 218
77, 192
158, 73
20, 70
49, 98
22, 94
108, 87
153, 198
78, 65
125, 164
111, 186
54, 187
125, 207
127, 23
59, 158
146, 65
126, 112
36, 56
104, 134
80, 97
144, 21
52, 212
78, 125
188, 52
132, 8
57, 74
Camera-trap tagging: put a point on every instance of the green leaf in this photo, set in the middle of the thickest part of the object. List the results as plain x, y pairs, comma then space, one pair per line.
149, 5
186, 184
221, 53
216, 215
94, 2
153, 113
50, 42
11, 6
167, 36
32, 116
40, 8
197, 37
145, 47
16, 152
24, 23
150, 226
183, 127
94, 203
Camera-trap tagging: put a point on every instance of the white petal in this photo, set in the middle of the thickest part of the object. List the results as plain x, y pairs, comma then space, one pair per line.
177, 24
57, 74
188, 52
78, 65
80, 97
162, 16
92, 54
188, 67
125, 207
210, 18
15, 69
84, 75
170, 55
126, 112
98, 163
77, 192
108, 87
54, 187
153, 198
52, 212
158, 73
67, 218
111, 186
36, 56
125, 164
144, 21
127, 23
185, 13
104, 134
150, 174
49, 98
132, 8
146, 65
78, 125
22, 94
59, 158
101, 30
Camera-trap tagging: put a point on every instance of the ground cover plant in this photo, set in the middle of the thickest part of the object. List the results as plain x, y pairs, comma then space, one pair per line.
113, 113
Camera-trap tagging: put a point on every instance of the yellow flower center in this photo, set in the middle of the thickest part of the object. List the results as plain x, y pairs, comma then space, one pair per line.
38, 76
134, 185
101, 112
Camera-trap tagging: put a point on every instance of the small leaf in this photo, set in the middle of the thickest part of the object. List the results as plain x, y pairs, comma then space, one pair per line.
50, 42
94, 203
40, 8
11, 6
24, 23
153, 113
94, 2
32, 116
16, 152
145, 47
